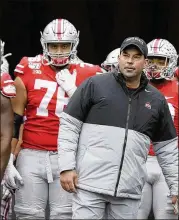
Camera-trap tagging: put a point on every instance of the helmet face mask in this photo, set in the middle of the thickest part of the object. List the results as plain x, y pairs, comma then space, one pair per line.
157, 67
111, 62
164, 55
59, 56
59, 31
109, 67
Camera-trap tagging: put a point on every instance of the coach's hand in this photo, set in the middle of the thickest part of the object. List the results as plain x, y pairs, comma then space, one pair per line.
175, 204
69, 180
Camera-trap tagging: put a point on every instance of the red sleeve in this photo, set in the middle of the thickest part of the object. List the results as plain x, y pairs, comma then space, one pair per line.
21, 69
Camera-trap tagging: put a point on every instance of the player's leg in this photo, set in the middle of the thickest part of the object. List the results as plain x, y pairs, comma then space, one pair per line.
31, 198
88, 205
123, 208
11, 208
146, 202
162, 204
146, 199
60, 201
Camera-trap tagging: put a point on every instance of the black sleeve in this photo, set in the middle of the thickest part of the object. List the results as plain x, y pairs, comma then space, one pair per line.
81, 101
166, 129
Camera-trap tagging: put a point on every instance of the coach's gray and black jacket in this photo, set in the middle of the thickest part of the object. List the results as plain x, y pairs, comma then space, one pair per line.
105, 135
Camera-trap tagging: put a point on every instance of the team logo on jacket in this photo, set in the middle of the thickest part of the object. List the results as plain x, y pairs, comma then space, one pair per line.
148, 105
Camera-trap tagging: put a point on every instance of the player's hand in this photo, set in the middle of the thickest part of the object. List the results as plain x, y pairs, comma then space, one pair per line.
12, 177
6, 196
69, 180
175, 204
7, 193
4, 62
66, 80
4, 65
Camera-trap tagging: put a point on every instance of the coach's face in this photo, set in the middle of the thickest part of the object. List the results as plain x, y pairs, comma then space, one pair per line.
131, 62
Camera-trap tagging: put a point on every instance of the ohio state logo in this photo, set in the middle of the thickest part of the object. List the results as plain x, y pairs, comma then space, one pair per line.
148, 105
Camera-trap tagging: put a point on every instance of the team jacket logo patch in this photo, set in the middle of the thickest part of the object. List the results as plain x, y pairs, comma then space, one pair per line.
148, 105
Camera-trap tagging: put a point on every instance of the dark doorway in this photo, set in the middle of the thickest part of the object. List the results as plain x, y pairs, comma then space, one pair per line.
103, 24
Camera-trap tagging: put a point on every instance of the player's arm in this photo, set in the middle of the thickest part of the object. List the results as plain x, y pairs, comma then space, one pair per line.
18, 104
19, 142
12, 177
6, 131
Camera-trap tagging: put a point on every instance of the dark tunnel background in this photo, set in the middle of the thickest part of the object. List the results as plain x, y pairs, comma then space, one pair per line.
103, 24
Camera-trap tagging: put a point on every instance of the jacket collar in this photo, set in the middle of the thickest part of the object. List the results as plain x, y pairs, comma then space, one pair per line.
120, 79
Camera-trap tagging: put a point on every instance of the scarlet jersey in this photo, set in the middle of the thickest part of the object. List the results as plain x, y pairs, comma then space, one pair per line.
7, 86
170, 90
46, 100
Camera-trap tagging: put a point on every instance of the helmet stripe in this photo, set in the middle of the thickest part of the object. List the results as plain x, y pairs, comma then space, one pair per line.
59, 28
156, 44
56, 27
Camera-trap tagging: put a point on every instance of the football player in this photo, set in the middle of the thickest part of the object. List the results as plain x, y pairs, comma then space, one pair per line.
44, 85
7, 91
111, 62
162, 58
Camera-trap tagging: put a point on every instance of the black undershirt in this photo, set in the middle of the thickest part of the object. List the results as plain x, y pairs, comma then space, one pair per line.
131, 90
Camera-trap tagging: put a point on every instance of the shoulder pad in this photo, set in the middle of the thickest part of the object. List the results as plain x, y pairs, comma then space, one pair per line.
85, 65
101, 71
21, 65
35, 59
31, 62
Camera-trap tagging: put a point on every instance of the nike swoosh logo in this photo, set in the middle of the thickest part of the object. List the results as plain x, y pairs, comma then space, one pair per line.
147, 90
169, 97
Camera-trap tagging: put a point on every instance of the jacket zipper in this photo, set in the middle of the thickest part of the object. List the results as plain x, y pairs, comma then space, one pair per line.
124, 146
